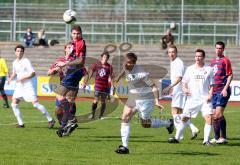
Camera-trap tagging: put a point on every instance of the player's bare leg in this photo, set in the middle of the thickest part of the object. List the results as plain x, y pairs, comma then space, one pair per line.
128, 112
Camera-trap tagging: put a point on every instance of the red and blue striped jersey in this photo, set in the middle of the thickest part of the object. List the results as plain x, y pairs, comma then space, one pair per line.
75, 73
222, 69
103, 73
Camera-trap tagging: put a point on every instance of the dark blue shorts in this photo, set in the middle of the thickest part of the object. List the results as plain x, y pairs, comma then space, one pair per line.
219, 100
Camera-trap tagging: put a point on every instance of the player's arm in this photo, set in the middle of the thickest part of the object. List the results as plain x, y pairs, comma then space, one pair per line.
29, 76
122, 73
11, 77
210, 94
230, 77
88, 76
169, 88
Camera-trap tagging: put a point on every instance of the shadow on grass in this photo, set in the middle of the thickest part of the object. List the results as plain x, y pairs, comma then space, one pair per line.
181, 153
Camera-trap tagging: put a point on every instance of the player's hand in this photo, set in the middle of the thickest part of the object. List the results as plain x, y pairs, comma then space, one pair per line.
161, 108
167, 90
186, 92
224, 93
61, 64
209, 98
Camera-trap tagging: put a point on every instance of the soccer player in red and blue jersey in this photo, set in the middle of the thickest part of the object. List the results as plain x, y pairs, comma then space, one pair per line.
221, 91
103, 79
53, 70
68, 89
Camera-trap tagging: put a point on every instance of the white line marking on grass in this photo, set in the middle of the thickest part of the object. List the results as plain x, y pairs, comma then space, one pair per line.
24, 122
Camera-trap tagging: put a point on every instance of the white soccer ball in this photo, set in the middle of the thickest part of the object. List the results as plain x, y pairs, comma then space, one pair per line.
69, 16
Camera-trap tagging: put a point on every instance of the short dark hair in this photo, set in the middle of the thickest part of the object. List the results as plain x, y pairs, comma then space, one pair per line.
77, 28
172, 46
201, 51
105, 53
20, 46
132, 56
220, 43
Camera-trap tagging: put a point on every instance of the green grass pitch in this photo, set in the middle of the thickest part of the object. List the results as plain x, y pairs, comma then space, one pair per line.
95, 142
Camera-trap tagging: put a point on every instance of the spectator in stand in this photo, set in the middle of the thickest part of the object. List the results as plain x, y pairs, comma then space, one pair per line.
29, 38
42, 38
167, 40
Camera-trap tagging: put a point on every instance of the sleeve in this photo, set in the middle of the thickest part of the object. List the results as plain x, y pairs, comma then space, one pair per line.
81, 49
94, 67
228, 66
179, 69
211, 78
13, 66
186, 77
29, 66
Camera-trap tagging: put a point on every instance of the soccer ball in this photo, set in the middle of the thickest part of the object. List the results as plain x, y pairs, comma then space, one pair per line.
173, 26
69, 16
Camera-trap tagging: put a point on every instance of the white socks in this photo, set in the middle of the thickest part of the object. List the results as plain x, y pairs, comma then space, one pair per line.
207, 131
192, 126
125, 133
43, 110
180, 129
17, 113
156, 123
177, 120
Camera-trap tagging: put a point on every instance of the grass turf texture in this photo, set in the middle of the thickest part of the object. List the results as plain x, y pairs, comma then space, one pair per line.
95, 142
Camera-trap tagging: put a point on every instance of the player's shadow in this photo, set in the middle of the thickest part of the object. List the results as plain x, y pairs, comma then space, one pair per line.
112, 137
182, 153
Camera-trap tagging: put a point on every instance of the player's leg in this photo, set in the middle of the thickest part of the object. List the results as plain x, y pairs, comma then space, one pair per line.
207, 129
3, 94
44, 111
128, 112
103, 104
58, 109
17, 112
219, 121
145, 109
94, 104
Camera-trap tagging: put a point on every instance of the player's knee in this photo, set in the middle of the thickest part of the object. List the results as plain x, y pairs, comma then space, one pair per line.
146, 123
14, 105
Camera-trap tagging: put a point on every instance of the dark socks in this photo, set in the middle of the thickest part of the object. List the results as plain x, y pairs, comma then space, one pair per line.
216, 127
94, 107
103, 107
223, 124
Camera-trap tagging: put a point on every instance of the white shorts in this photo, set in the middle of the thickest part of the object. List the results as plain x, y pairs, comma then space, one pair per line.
178, 100
26, 93
145, 108
192, 108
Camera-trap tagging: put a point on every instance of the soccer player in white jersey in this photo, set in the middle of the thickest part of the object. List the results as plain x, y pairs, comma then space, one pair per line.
143, 95
175, 89
24, 71
197, 86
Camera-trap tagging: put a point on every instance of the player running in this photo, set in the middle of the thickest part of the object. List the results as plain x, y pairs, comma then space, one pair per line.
197, 86
24, 71
143, 95
103, 83
69, 85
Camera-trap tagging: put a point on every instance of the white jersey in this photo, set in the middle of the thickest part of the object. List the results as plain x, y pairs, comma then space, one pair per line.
177, 70
139, 82
199, 81
23, 68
